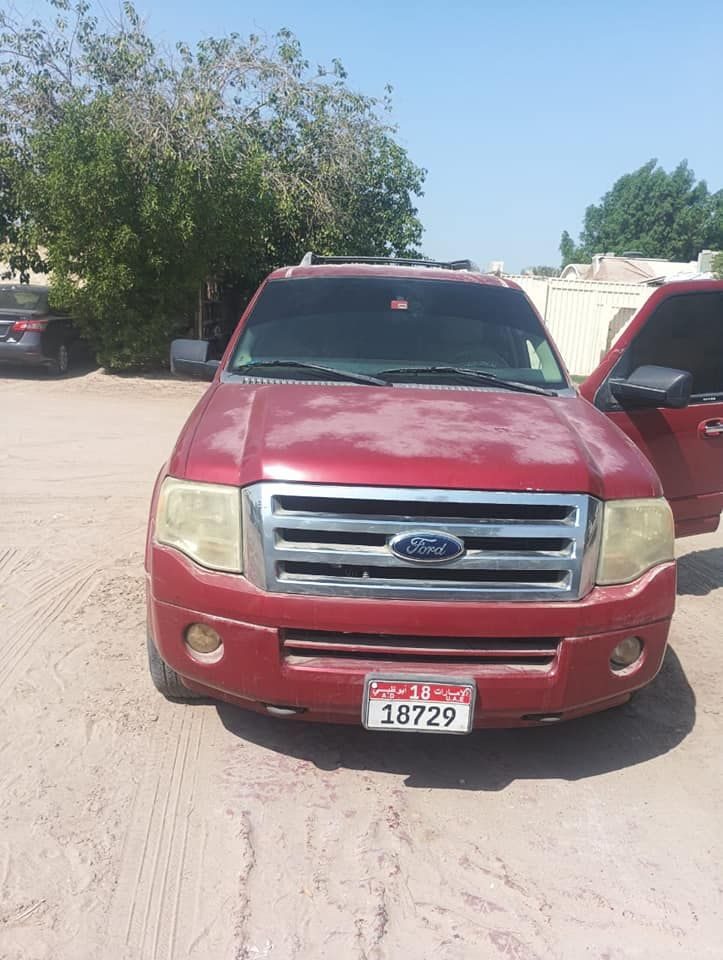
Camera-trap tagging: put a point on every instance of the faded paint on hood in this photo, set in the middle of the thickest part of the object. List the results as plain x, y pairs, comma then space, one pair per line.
392, 436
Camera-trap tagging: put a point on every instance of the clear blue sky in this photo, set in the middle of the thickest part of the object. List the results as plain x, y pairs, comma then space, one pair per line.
523, 112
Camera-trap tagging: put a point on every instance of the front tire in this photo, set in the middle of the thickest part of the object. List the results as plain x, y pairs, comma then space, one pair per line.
165, 679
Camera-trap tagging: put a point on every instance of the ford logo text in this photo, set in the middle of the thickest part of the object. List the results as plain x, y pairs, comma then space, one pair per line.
426, 546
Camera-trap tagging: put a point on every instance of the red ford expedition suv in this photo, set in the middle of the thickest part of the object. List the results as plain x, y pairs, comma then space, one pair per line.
391, 506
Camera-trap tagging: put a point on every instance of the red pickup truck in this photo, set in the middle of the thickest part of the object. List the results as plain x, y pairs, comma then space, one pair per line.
392, 507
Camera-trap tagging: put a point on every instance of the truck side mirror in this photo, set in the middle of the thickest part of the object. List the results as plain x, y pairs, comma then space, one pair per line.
189, 358
652, 386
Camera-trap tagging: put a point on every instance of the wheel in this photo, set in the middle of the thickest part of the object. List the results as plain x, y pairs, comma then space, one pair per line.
61, 362
165, 679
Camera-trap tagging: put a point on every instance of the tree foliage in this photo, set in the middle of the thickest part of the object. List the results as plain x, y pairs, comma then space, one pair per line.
658, 214
142, 176
543, 271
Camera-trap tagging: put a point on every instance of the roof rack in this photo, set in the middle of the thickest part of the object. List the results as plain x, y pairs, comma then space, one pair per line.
309, 259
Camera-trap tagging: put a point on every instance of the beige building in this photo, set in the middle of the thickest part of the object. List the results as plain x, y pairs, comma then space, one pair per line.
634, 269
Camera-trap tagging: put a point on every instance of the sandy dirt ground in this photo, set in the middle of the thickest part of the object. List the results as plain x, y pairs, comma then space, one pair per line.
135, 829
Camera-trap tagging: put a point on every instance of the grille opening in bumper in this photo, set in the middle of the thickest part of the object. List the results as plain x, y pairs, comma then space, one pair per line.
313, 644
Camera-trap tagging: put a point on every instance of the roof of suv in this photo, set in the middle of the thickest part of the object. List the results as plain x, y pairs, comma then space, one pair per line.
387, 270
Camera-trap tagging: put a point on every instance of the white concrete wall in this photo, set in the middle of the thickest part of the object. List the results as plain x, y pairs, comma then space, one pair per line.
584, 317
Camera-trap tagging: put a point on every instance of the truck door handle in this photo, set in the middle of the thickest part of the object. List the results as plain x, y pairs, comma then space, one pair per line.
711, 428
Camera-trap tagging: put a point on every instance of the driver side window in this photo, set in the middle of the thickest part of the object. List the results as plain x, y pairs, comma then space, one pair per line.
686, 333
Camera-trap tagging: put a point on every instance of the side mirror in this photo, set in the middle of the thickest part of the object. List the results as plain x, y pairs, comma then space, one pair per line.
654, 387
189, 358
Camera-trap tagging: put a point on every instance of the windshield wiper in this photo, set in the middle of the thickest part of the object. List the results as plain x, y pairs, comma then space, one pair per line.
478, 375
316, 367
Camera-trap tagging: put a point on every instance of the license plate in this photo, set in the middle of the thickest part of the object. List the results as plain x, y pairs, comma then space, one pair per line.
418, 704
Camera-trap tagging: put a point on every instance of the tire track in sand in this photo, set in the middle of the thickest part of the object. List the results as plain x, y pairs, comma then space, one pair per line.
12, 561
35, 602
170, 859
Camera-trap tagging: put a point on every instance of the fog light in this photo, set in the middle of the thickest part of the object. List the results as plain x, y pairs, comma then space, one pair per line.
626, 653
202, 639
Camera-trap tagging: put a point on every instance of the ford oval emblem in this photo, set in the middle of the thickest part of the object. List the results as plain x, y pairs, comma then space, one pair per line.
426, 546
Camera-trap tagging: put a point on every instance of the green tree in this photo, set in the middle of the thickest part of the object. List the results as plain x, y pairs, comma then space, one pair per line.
569, 251
543, 271
18, 237
658, 214
144, 177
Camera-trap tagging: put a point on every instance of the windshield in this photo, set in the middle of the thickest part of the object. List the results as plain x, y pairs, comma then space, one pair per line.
369, 325
23, 298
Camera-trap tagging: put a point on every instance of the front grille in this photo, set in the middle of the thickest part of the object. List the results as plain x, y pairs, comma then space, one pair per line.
305, 645
334, 541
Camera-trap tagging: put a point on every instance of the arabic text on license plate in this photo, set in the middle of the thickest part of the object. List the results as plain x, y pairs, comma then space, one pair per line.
418, 705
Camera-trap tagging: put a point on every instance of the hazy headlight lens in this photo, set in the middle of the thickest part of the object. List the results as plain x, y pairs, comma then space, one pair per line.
636, 535
202, 520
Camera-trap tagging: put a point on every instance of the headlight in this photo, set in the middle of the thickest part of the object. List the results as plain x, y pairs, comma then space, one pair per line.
202, 520
636, 535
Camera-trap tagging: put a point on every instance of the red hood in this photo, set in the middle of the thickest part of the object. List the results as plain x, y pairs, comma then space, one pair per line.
454, 439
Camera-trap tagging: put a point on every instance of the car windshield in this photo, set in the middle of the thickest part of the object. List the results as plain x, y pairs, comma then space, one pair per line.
390, 326
23, 298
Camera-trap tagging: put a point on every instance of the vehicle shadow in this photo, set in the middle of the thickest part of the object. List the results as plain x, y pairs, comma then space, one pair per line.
79, 368
160, 375
653, 723
700, 572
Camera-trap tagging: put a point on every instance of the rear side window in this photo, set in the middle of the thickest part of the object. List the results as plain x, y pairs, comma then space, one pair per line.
368, 324
684, 332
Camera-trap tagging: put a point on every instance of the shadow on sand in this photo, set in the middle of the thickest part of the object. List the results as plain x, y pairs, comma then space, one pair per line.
654, 722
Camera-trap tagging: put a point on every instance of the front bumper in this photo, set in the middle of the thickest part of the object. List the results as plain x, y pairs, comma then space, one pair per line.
253, 671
